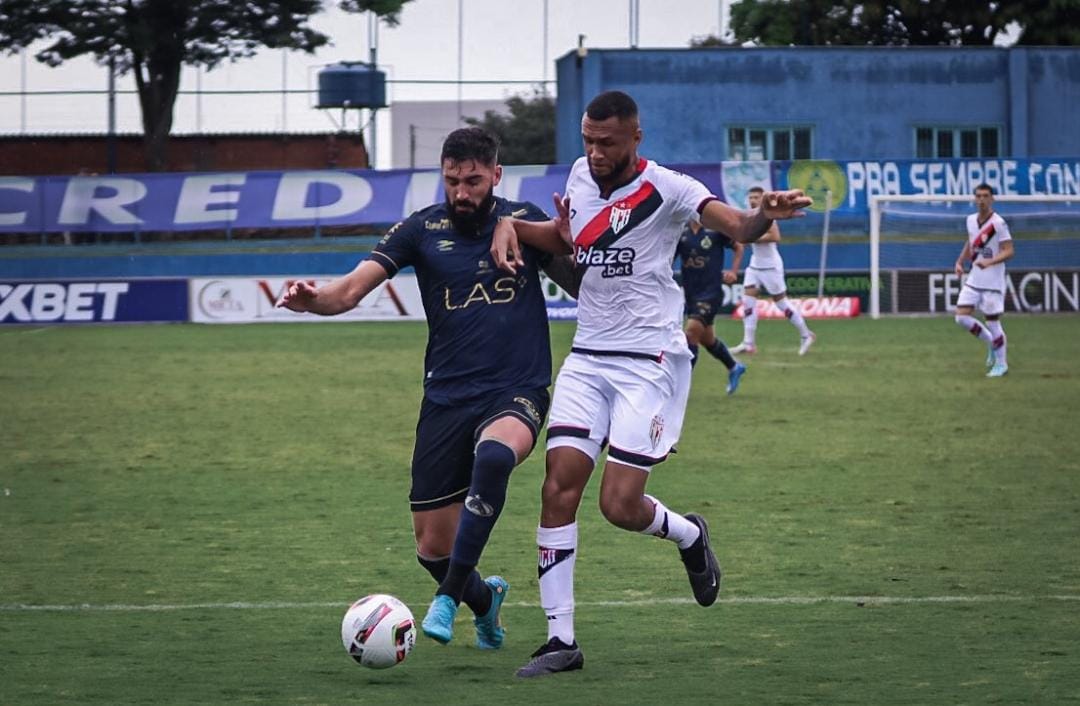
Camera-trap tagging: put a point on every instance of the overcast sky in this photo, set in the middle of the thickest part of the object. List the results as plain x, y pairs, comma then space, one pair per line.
503, 40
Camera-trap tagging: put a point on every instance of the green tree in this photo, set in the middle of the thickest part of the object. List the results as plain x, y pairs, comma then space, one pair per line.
153, 39
527, 134
899, 22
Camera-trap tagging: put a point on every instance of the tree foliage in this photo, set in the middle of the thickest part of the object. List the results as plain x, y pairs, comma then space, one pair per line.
153, 39
527, 134
899, 22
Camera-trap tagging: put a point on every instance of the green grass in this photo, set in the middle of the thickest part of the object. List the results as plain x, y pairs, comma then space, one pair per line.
151, 475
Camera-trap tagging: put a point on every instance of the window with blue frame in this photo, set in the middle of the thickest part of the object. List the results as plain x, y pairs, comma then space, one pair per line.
766, 143
947, 142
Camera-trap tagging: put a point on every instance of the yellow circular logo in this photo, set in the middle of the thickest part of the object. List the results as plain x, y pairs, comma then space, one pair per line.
815, 177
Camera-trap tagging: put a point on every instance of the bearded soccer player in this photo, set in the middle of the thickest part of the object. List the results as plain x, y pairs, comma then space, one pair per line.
989, 244
627, 378
486, 372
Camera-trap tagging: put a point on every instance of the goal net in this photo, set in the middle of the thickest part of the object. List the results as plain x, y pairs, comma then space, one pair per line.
915, 240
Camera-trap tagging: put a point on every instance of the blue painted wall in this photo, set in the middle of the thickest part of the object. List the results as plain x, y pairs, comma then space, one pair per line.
862, 102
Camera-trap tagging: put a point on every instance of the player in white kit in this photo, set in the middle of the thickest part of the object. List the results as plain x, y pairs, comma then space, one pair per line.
766, 272
989, 244
626, 381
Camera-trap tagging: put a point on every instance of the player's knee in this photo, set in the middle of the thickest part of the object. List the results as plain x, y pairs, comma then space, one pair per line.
491, 474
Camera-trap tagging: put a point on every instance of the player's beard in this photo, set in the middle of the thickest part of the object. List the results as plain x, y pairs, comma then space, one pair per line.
469, 221
616, 173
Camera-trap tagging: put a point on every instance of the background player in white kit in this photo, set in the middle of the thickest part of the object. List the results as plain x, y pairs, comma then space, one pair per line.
627, 377
988, 245
766, 272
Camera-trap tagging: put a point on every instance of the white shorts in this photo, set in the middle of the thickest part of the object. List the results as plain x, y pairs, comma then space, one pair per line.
989, 301
770, 279
635, 405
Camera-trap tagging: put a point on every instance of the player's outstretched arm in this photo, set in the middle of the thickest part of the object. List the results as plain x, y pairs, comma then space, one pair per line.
338, 296
748, 226
548, 236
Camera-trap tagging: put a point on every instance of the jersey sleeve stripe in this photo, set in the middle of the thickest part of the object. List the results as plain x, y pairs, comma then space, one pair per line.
387, 262
705, 202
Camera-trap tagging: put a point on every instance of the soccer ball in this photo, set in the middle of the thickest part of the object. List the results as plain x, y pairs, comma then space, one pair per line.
378, 631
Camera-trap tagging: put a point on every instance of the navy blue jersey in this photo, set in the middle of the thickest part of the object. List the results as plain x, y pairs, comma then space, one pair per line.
487, 329
701, 256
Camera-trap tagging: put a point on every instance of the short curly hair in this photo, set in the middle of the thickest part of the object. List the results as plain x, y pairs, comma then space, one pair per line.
473, 143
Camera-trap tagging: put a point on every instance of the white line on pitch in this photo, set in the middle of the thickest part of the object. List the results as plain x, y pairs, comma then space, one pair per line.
735, 600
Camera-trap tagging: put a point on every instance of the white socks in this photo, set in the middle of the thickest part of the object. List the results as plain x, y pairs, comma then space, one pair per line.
997, 340
750, 318
978, 330
671, 525
793, 316
555, 566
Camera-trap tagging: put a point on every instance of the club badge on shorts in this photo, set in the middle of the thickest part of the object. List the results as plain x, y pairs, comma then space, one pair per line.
656, 430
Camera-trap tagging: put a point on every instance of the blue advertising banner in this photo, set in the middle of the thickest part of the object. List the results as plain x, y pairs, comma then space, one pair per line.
198, 201
70, 301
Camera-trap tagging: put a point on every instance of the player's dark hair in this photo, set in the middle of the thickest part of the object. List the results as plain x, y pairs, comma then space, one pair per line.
611, 104
473, 143
755, 190
985, 187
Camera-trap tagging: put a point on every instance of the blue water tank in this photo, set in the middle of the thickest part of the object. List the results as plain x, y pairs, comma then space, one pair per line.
352, 85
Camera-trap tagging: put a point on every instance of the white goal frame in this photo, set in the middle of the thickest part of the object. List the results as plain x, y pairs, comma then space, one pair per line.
877, 200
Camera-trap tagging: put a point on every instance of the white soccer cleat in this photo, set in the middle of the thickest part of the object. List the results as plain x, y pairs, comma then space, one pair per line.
744, 347
807, 341
998, 371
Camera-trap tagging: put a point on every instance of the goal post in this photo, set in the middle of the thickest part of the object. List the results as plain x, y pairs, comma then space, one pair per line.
923, 232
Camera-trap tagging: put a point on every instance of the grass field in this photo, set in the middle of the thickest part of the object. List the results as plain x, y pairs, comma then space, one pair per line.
186, 511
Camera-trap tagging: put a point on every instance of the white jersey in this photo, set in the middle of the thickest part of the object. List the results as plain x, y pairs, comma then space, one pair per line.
629, 301
765, 256
986, 239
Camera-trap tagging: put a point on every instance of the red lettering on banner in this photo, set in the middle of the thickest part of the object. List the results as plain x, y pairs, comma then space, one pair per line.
809, 307
273, 298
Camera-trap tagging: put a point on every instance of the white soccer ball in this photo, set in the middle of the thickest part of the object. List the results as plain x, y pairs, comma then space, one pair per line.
378, 631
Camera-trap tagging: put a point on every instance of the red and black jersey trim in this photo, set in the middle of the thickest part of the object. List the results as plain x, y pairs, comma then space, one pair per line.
598, 233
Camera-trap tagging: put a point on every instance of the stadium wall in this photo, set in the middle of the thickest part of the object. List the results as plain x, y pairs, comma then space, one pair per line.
88, 154
862, 103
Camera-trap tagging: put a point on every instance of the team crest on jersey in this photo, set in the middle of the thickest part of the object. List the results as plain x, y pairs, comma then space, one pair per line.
620, 216
656, 430
706, 243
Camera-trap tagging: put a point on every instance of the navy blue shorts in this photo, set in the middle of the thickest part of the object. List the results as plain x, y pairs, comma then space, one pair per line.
704, 310
446, 441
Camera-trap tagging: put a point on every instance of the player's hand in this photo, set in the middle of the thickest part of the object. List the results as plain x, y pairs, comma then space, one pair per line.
959, 269
562, 216
298, 297
778, 205
505, 249
730, 277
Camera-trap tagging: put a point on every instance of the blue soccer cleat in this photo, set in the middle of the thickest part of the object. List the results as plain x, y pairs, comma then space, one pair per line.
733, 377
489, 629
439, 622
998, 370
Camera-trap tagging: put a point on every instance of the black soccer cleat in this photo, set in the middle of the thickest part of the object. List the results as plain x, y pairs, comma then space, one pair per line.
553, 656
705, 583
